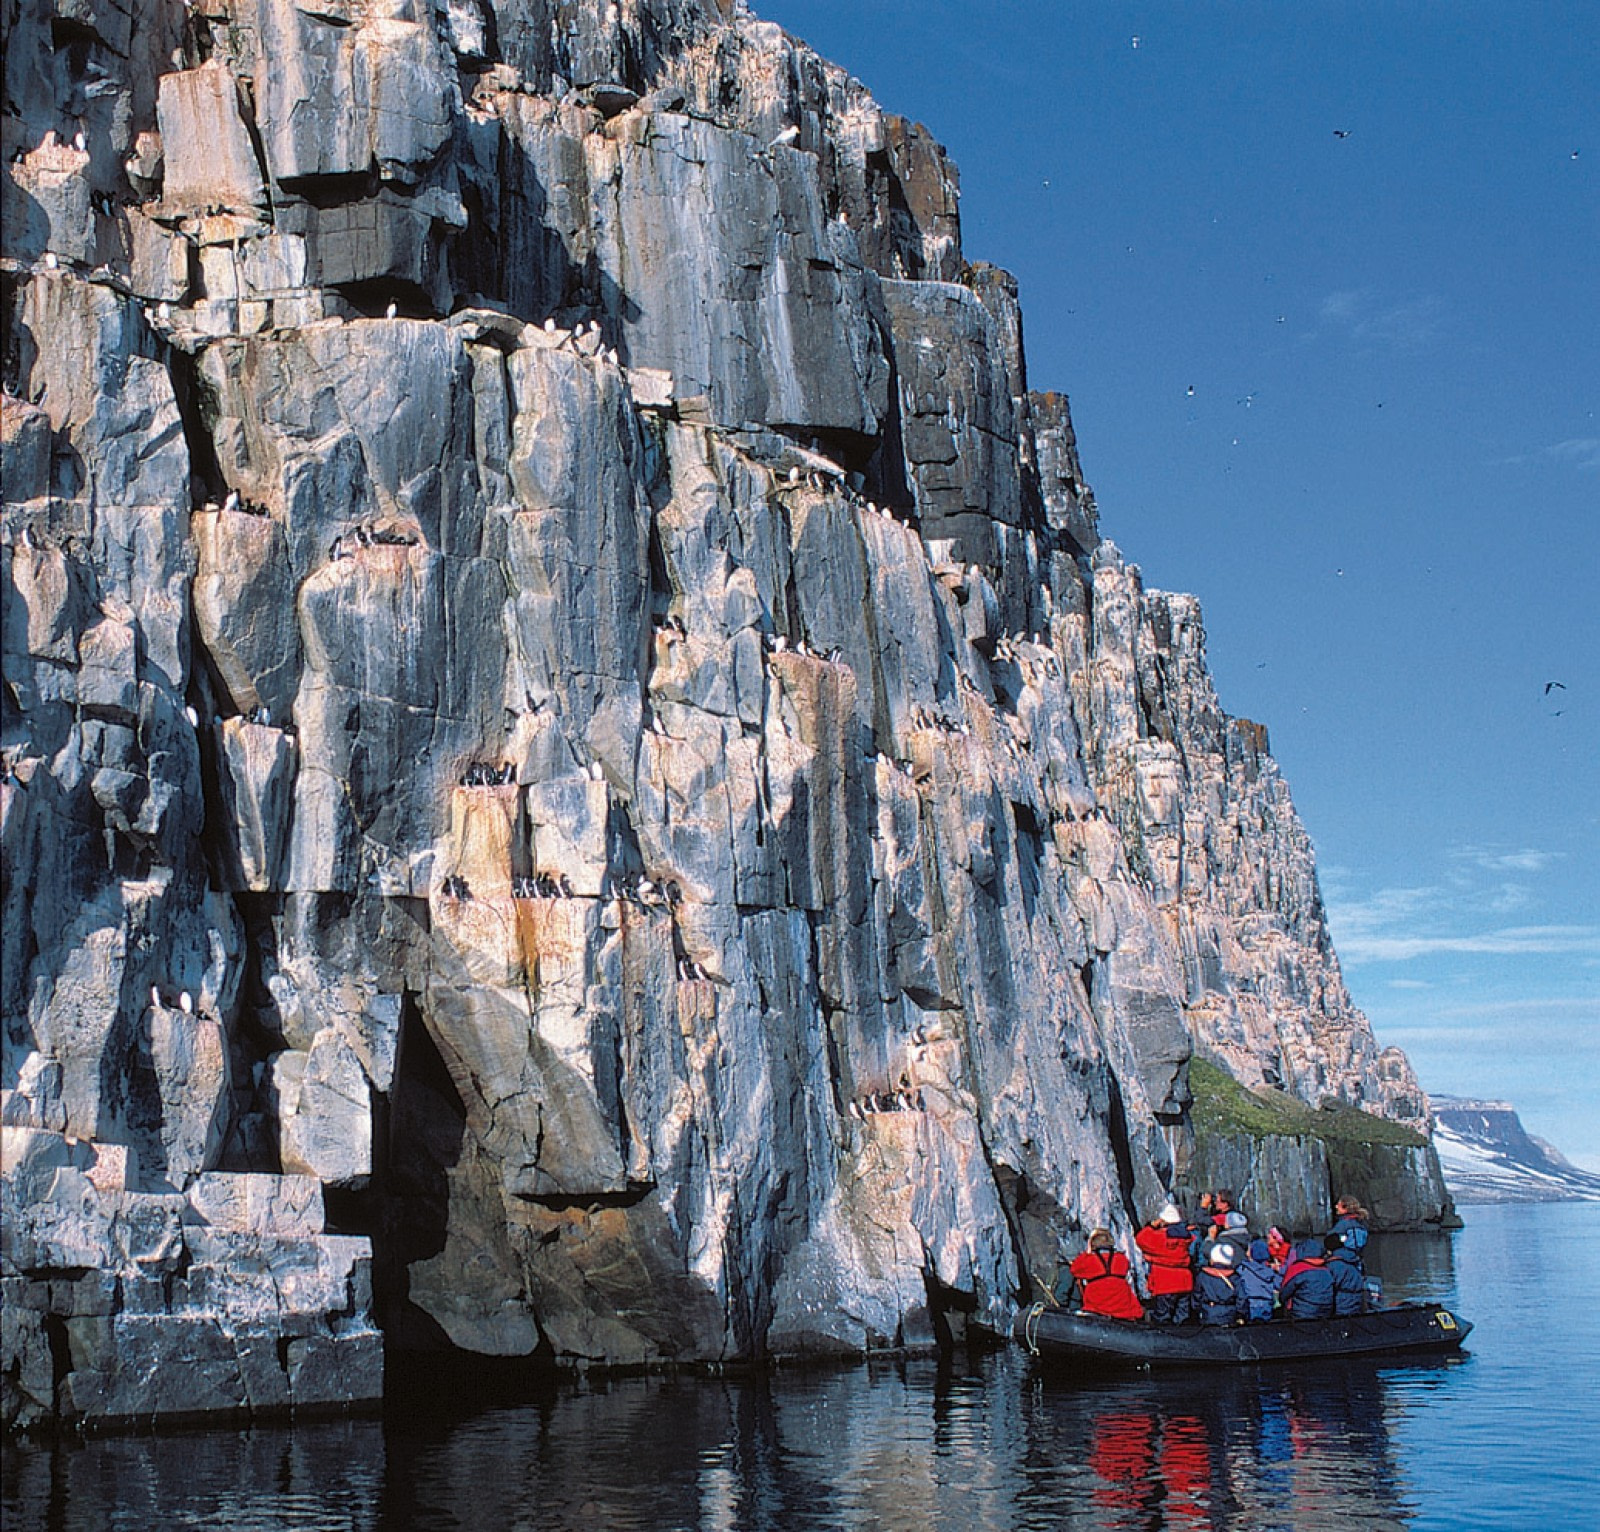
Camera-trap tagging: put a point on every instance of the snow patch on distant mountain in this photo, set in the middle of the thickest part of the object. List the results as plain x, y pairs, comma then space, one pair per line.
1488, 1156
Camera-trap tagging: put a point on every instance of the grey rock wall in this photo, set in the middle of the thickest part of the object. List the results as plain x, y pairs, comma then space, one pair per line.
560, 687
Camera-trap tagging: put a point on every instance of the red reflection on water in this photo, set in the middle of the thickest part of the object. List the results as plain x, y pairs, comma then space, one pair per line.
1142, 1460
1185, 1468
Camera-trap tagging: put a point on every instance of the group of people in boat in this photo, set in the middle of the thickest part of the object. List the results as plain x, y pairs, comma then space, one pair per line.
1214, 1270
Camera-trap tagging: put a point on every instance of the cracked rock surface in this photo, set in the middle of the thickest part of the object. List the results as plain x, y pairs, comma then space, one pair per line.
579, 780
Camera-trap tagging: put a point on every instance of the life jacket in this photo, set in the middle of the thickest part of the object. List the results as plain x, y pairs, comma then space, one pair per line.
1169, 1258
1103, 1285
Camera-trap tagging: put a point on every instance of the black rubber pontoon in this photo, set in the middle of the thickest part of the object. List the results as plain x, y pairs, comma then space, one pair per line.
1087, 1340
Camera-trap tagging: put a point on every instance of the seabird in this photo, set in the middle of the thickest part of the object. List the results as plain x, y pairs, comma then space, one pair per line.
186, 1003
155, 997
1341, 132
1550, 686
164, 312
594, 771
788, 136
549, 327
794, 475
193, 717
232, 502
50, 260
391, 311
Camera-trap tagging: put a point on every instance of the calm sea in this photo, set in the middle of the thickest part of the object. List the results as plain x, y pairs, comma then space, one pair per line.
1507, 1437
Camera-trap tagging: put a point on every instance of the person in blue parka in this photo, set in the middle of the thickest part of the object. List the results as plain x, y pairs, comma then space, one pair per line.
1352, 1226
1217, 1298
1258, 1281
1349, 1282
1307, 1291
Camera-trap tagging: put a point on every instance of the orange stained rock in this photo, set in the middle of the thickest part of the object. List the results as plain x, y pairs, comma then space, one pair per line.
482, 833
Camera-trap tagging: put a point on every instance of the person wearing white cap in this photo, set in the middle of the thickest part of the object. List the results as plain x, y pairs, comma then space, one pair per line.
1164, 1243
1218, 1299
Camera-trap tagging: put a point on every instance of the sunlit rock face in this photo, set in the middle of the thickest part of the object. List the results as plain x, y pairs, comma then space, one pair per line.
562, 691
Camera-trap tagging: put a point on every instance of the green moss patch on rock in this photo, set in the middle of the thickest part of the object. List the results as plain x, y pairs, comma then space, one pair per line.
1223, 1105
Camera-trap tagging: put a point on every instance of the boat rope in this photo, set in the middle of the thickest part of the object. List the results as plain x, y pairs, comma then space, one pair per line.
1030, 1329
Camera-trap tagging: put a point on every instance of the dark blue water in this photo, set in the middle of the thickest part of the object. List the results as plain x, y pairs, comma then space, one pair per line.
1505, 1438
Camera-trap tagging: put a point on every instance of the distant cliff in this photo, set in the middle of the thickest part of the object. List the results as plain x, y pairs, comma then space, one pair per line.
1488, 1156
579, 780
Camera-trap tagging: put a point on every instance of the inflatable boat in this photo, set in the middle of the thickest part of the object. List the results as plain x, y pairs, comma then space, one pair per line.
1059, 1336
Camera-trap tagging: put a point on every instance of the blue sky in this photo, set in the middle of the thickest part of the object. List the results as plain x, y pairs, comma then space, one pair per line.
1385, 486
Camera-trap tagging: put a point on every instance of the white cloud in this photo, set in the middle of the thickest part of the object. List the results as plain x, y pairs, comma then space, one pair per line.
1409, 984
1491, 859
1581, 451
1511, 941
1585, 1005
1410, 324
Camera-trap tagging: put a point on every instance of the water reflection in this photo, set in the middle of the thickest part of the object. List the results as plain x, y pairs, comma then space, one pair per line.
1414, 1268
990, 1446
1259, 1449
316, 1478
919, 1446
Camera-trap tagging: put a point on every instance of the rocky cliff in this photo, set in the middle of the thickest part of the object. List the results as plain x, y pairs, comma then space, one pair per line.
579, 780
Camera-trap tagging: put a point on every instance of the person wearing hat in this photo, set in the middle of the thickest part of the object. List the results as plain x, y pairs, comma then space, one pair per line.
1258, 1281
1101, 1274
1164, 1243
1218, 1298
1231, 1226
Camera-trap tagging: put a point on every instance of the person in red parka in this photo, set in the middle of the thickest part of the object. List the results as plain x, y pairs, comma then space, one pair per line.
1165, 1244
1101, 1273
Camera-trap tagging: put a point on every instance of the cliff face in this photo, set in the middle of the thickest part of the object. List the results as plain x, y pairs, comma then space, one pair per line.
566, 715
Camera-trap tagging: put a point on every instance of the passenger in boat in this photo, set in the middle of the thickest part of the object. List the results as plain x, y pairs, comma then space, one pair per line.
1307, 1291
1101, 1273
1218, 1298
1278, 1249
1352, 1226
1349, 1281
1236, 1230
1258, 1281
1164, 1242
